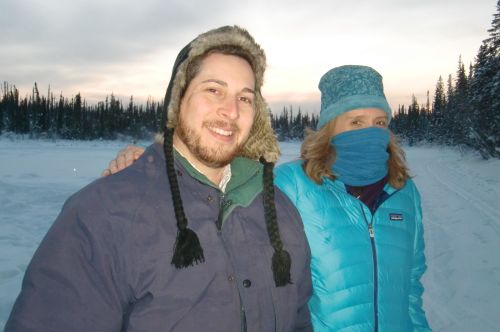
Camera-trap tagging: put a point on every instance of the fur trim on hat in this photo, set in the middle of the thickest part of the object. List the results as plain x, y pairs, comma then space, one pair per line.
262, 141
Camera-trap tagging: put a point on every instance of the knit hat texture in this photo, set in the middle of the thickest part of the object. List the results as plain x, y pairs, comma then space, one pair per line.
350, 87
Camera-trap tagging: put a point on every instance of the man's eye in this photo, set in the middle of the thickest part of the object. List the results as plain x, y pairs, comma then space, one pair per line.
213, 90
382, 123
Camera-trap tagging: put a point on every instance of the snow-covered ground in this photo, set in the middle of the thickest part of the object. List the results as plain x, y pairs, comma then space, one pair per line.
461, 206
461, 203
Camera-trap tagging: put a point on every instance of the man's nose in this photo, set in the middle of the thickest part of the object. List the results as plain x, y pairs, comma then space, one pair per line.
229, 108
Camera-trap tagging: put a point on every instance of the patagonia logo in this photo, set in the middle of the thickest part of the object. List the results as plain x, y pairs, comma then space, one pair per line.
395, 216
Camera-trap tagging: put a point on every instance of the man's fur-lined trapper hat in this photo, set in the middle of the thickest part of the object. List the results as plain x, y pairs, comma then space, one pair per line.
261, 141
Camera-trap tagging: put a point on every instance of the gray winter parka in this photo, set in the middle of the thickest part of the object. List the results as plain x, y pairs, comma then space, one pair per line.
105, 263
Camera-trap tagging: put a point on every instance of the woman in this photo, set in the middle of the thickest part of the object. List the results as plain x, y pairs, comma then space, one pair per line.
361, 211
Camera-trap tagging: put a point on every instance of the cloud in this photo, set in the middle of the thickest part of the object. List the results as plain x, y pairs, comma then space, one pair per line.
83, 43
96, 31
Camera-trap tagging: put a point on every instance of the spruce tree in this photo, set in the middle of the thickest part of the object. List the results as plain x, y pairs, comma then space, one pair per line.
438, 109
461, 113
485, 93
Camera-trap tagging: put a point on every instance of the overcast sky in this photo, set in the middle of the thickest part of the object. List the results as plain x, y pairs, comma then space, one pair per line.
99, 47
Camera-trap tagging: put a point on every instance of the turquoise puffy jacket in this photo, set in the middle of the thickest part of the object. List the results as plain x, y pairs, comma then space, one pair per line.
366, 268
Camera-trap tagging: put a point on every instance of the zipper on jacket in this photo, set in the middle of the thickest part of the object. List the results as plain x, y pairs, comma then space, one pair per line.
371, 233
222, 206
243, 319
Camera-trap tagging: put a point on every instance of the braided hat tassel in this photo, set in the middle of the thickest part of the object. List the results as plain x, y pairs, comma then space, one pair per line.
281, 261
187, 247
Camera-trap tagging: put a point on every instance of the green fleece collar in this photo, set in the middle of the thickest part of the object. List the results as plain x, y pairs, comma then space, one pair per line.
243, 170
191, 170
245, 184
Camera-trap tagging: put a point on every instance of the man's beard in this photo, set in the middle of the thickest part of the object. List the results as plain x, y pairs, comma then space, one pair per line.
213, 156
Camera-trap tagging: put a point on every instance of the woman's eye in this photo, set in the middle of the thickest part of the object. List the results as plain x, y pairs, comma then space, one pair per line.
212, 90
246, 100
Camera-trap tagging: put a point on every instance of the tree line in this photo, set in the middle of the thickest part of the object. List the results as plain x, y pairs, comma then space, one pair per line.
465, 111
289, 126
49, 117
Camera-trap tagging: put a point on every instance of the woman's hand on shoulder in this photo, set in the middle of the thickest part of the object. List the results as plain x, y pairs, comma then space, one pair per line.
123, 159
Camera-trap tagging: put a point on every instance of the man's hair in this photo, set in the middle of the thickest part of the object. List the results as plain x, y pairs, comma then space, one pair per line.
319, 155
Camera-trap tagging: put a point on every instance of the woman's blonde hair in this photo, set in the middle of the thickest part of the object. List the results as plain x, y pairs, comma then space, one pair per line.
319, 155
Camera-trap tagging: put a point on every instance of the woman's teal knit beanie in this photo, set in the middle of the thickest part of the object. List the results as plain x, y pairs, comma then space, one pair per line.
350, 87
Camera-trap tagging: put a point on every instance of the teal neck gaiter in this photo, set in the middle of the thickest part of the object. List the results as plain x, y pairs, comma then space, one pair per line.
361, 155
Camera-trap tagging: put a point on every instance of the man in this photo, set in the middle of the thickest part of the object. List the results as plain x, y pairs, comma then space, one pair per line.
193, 236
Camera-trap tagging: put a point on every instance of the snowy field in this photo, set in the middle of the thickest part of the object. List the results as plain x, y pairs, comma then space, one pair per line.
461, 203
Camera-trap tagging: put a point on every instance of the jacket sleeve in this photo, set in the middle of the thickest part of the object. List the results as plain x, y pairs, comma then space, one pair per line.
285, 181
303, 322
72, 282
417, 314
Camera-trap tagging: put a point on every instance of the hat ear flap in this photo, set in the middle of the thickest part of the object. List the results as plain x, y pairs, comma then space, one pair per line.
261, 142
